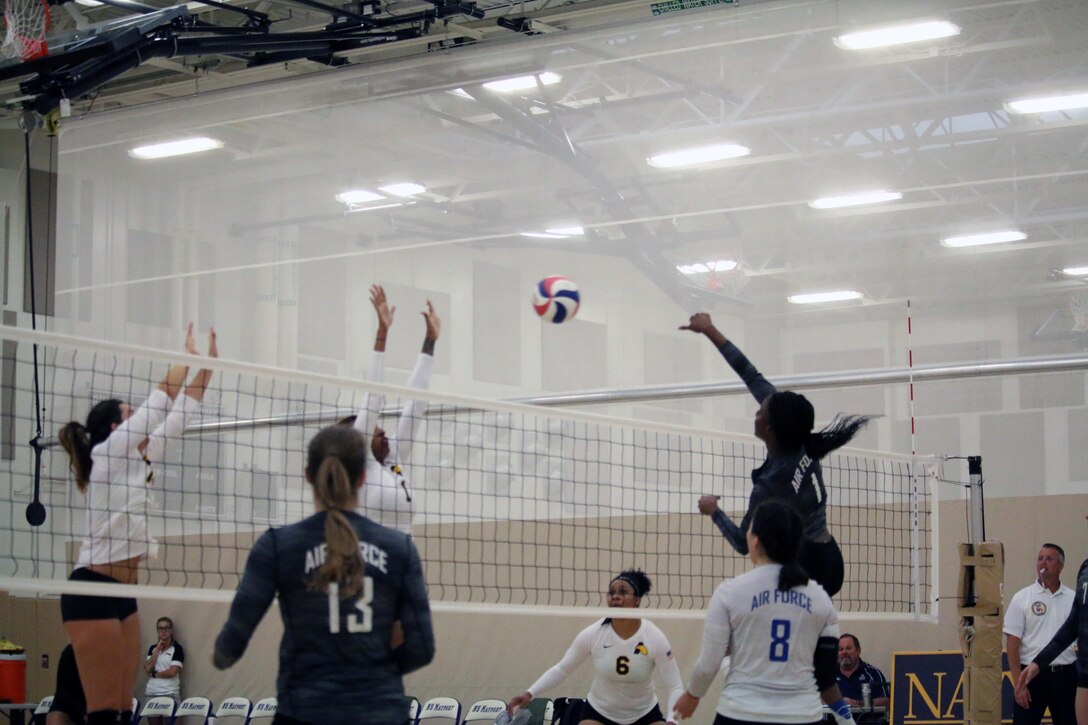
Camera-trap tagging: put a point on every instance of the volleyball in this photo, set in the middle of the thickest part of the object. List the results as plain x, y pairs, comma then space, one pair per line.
556, 299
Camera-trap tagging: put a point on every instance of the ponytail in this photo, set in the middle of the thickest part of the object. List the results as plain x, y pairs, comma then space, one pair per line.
336, 461
836, 435
779, 527
792, 419
78, 440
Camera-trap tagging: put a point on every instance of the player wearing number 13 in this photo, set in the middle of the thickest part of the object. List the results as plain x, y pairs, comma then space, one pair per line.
780, 629
352, 597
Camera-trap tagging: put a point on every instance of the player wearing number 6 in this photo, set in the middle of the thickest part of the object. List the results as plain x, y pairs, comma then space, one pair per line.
780, 628
626, 652
344, 583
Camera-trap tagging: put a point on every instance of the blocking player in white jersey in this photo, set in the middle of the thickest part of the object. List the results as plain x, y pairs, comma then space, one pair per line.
626, 653
780, 629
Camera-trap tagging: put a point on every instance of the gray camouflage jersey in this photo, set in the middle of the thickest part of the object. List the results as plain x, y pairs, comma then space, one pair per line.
336, 662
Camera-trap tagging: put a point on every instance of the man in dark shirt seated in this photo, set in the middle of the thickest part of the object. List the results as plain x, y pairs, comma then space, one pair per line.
853, 671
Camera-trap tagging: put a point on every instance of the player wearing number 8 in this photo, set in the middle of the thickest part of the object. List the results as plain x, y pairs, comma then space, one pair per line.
344, 583
780, 628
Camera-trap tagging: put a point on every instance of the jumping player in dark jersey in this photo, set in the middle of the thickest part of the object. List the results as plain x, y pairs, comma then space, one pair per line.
343, 582
1075, 628
791, 470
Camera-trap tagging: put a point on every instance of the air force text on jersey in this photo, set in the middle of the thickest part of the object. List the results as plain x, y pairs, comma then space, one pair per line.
793, 596
371, 554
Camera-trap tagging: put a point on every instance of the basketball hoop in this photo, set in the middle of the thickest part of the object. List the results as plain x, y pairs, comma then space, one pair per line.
27, 23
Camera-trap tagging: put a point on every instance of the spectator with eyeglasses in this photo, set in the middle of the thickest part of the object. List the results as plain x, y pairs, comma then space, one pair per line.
165, 660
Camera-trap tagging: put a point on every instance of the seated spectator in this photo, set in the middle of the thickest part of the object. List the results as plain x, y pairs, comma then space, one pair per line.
853, 671
163, 666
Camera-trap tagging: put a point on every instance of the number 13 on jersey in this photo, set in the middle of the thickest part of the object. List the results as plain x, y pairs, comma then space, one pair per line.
360, 618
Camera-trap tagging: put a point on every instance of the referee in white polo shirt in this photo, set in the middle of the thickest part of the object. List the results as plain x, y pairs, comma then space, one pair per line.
1031, 620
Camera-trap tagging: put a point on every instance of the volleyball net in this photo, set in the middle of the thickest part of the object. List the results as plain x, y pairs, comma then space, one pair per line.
515, 505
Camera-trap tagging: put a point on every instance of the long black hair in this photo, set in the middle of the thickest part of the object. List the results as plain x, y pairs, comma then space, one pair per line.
79, 439
792, 419
780, 528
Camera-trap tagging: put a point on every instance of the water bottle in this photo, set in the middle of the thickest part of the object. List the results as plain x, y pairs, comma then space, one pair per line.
867, 695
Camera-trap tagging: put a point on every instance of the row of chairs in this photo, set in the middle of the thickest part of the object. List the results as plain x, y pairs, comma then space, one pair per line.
241, 711
449, 708
232, 711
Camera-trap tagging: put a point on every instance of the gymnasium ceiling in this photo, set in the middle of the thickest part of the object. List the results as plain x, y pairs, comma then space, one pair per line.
926, 120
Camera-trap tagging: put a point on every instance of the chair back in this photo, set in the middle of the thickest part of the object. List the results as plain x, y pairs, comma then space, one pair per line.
234, 707
440, 708
485, 710
413, 711
264, 709
193, 707
158, 707
44, 705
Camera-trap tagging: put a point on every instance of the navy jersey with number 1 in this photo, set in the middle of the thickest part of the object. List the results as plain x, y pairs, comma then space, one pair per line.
336, 659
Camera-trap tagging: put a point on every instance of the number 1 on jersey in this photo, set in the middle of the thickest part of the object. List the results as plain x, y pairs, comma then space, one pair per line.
780, 640
360, 620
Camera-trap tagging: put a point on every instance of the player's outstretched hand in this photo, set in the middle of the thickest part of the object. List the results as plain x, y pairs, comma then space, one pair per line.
708, 505
190, 341
213, 344
381, 306
434, 324
700, 323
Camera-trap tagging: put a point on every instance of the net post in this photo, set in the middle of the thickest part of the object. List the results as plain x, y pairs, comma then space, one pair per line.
982, 567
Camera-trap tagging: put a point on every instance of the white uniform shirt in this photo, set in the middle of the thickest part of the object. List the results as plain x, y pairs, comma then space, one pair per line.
117, 492
1034, 615
771, 637
623, 688
172, 655
387, 497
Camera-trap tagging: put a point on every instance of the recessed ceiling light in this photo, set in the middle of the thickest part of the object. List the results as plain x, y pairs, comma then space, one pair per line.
1048, 103
722, 265
357, 196
812, 298
1076, 271
90, 3
977, 240
175, 148
698, 155
867, 197
404, 188
567, 231
897, 34
523, 83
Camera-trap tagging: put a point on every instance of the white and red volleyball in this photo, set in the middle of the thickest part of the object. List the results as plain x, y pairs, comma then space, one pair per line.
556, 299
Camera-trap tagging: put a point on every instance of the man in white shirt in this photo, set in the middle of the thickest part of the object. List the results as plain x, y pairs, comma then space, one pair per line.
1031, 620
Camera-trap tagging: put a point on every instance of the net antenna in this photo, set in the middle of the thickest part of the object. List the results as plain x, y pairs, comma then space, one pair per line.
27, 24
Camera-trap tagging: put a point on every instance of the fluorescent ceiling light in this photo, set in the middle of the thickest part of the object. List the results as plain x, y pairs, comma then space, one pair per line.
357, 196
90, 3
567, 231
897, 34
175, 148
354, 209
544, 235
1076, 271
405, 188
976, 240
867, 197
523, 83
812, 298
720, 265
698, 155
1046, 103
